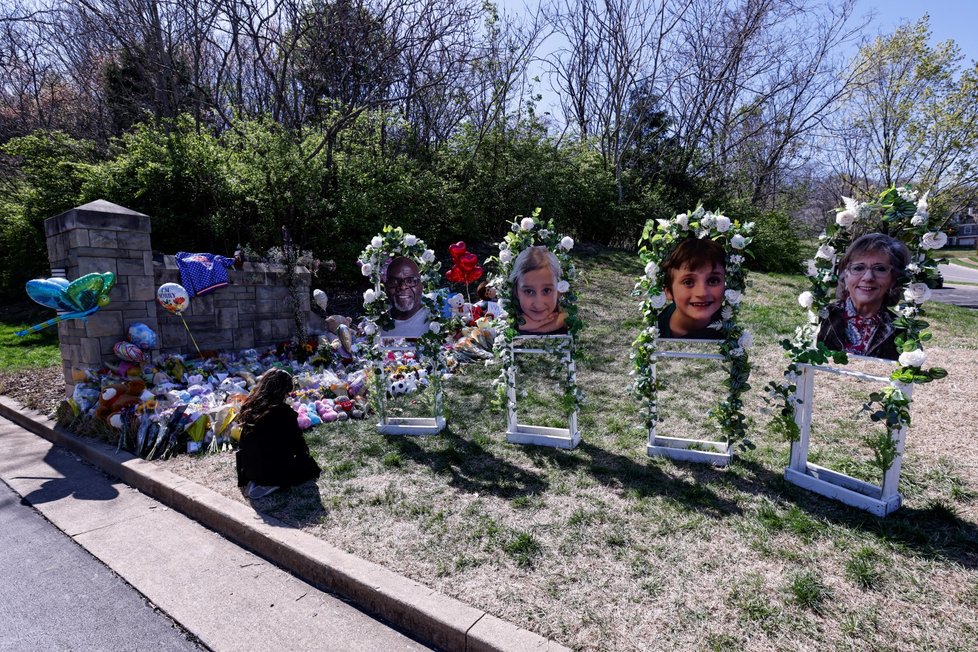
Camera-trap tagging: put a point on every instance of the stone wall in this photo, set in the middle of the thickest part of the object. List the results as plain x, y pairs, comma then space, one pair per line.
253, 311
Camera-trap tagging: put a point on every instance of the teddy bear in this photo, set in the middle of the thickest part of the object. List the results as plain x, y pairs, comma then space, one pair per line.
115, 397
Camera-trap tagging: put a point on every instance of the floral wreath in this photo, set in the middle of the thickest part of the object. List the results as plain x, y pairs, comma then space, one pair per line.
373, 262
527, 232
658, 241
908, 215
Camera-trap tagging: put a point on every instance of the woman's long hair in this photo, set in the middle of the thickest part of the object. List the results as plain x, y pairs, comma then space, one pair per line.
271, 390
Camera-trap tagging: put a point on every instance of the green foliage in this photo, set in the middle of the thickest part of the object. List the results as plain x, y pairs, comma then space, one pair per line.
50, 170
178, 175
808, 590
776, 244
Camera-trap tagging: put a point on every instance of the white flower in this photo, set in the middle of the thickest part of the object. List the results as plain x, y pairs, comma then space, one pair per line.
369, 328
567, 243
748, 227
746, 340
653, 331
732, 296
826, 251
722, 223
916, 293
503, 245
376, 242
738, 241
434, 327
428, 256
410, 240
544, 233
845, 218
726, 312
651, 269
526, 223
736, 259
805, 299
505, 256
369, 296
933, 240
812, 317
562, 286
907, 194
366, 268
736, 352
657, 301
908, 310
810, 268
683, 220
708, 221
918, 219
915, 358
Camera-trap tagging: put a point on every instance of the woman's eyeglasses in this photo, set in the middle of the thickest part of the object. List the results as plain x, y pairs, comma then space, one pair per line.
878, 269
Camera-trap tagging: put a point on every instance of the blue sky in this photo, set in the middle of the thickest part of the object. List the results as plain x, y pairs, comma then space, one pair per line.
949, 19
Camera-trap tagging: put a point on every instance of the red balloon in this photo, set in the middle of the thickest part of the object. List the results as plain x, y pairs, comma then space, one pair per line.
473, 275
468, 262
454, 275
456, 250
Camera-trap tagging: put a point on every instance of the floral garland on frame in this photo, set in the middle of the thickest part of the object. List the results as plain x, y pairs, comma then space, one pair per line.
391, 243
901, 209
527, 232
658, 240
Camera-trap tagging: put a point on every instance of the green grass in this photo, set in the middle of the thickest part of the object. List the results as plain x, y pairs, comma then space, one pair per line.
31, 351
604, 548
808, 590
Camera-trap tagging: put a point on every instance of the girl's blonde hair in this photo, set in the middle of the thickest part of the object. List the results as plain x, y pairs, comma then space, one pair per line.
531, 259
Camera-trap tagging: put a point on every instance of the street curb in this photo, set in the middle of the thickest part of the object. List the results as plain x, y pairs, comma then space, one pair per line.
421, 612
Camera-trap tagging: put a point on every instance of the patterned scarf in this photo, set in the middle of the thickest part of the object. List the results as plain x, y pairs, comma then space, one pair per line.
859, 329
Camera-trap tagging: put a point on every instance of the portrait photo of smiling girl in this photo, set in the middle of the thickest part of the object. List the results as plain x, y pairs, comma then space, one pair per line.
536, 279
695, 282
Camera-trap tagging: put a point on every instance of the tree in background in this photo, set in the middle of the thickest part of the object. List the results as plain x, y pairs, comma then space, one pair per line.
910, 115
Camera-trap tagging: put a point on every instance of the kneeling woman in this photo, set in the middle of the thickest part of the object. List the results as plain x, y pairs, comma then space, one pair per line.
870, 276
273, 453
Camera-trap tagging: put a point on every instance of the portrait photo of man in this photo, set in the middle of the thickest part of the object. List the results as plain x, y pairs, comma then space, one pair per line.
403, 286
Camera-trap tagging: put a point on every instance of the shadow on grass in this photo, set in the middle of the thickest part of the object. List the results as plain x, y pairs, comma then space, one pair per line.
643, 480
934, 531
470, 467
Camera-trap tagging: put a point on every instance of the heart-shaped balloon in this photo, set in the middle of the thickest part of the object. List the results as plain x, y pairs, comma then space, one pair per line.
455, 275
456, 250
472, 275
468, 261
84, 292
50, 292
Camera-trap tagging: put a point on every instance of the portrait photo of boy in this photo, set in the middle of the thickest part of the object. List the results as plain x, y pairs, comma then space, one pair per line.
695, 274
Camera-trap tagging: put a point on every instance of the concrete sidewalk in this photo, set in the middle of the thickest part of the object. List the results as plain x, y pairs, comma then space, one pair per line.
228, 597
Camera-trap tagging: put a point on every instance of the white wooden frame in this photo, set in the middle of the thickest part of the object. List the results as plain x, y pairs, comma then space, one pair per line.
679, 448
406, 425
878, 500
519, 433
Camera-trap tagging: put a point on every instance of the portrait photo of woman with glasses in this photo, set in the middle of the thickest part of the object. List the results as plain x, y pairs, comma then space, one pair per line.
403, 287
871, 276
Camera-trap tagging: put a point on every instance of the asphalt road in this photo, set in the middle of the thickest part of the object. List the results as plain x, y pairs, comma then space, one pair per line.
54, 595
954, 272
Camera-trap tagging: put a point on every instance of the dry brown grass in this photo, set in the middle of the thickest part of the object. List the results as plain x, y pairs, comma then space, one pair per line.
602, 548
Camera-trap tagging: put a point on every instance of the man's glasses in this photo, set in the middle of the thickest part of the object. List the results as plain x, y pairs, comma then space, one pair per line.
878, 269
410, 282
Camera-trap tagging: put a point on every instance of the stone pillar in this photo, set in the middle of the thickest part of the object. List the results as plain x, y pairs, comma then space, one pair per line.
102, 237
